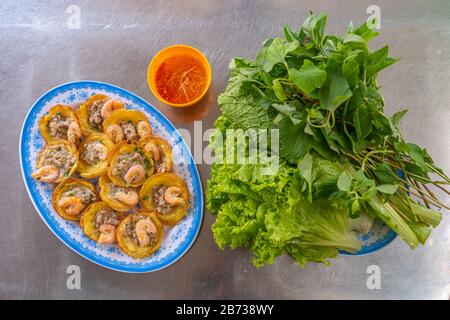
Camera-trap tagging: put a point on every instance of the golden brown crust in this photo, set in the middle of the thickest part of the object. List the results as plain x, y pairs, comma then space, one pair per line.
65, 111
123, 148
166, 179
117, 116
83, 114
164, 146
96, 170
105, 194
67, 185
66, 144
87, 220
134, 250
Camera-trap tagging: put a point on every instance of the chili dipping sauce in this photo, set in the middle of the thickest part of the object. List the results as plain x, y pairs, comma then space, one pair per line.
180, 79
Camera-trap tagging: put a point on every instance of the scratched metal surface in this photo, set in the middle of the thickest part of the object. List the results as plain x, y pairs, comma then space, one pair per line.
114, 44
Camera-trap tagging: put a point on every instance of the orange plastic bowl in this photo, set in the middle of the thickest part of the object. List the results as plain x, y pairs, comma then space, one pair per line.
171, 51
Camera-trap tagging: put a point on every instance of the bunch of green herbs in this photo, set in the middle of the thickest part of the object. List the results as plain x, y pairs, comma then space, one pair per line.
341, 155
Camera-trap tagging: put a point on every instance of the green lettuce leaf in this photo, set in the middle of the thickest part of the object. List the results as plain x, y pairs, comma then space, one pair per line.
280, 220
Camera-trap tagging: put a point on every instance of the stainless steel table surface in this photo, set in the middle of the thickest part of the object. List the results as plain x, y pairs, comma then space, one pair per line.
114, 44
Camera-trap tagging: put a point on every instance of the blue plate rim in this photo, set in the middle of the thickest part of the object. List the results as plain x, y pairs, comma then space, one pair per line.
197, 182
390, 236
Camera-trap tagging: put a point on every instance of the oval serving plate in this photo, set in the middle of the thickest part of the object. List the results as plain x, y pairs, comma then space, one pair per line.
177, 240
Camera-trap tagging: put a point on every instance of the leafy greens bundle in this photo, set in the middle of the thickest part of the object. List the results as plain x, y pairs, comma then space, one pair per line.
341, 156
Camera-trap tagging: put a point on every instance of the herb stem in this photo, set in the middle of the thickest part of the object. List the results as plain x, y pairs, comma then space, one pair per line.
416, 186
369, 154
308, 119
435, 202
443, 189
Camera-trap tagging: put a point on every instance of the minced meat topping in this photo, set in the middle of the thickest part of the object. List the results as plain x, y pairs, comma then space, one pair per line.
129, 230
81, 192
106, 216
114, 189
94, 152
125, 161
95, 116
58, 156
161, 206
58, 126
129, 130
